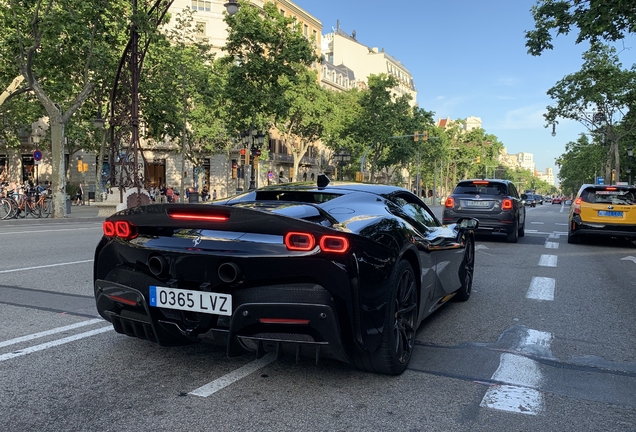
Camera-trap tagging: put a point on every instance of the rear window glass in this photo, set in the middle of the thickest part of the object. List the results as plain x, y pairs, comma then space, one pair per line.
481, 188
609, 196
295, 196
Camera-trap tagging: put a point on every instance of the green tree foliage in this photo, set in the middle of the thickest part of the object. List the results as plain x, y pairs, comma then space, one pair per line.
267, 54
62, 49
382, 116
582, 161
594, 20
598, 96
308, 112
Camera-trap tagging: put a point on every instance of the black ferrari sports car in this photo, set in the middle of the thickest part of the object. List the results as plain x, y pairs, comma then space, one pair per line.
345, 271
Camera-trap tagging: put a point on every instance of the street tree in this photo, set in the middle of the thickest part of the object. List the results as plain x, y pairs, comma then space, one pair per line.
60, 48
382, 116
582, 162
180, 91
345, 107
598, 96
266, 55
305, 119
594, 21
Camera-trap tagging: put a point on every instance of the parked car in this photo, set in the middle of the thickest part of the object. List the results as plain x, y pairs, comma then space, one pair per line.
557, 200
346, 271
603, 210
495, 202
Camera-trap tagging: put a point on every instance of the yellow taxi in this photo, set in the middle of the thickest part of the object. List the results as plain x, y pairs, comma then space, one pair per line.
606, 210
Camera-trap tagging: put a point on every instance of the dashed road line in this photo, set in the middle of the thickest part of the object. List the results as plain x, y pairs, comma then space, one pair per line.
54, 343
45, 266
49, 332
548, 261
551, 245
232, 377
521, 377
541, 288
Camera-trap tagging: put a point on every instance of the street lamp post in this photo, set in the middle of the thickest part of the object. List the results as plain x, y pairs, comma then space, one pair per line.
253, 141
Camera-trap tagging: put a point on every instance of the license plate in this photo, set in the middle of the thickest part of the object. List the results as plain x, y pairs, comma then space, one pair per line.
188, 300
610, 213
478, 203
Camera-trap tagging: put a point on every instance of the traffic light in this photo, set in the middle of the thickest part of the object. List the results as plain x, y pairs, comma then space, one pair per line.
234, 169
291, 173
80, 166
416, 136
478, 159
425, 135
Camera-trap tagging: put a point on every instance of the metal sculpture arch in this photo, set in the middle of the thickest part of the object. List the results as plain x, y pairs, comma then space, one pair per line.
127, 161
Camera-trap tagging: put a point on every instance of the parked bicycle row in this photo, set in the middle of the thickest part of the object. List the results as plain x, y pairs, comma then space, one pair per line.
19, 201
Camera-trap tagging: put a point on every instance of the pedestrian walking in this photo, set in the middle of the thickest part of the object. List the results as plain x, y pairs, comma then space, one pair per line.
213, 194
79, 195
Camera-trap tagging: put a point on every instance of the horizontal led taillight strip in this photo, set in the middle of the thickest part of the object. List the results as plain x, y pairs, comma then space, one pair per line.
198, 217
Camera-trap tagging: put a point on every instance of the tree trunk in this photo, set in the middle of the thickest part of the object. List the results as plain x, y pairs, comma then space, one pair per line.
58, 181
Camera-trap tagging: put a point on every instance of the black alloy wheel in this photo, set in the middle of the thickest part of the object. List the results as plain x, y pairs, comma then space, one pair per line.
393, 355
466, 272
522, 230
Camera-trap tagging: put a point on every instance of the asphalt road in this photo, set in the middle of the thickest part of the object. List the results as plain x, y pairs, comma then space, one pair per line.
546, 342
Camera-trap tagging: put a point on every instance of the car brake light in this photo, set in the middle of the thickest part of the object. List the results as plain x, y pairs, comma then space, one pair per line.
299, 241
450, 202
109, 228
198, 215
121, 229
335, 244
611, 188
480, 182
125, 230
506, 204
577, 205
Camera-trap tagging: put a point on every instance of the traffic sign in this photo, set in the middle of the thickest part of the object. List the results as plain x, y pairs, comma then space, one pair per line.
270, 175
600, 180
37, 155
258, 152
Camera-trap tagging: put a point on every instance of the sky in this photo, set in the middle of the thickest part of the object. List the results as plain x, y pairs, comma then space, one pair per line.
468, 58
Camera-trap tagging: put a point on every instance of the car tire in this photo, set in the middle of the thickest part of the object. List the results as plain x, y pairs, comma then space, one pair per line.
522, 231
513, 236
573, 239
393, 355
466, 272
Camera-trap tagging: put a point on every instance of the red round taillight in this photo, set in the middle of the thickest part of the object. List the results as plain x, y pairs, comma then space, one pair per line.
299, 241
109, 228
450, 202
335, 244
506, 204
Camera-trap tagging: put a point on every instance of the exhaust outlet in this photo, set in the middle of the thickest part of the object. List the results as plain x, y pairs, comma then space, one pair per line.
229, 272
158, 266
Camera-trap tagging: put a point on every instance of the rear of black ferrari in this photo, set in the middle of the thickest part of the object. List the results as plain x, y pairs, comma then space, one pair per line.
246, 278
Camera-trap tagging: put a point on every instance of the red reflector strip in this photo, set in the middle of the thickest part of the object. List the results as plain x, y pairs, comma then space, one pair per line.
198, 217
334, 244
283, 321
123, 300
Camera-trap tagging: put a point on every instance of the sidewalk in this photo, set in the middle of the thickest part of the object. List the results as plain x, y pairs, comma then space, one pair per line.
83, 213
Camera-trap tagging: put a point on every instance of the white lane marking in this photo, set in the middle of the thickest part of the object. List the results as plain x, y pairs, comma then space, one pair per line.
562, 224
54, 343
48, 230
554, 235
49, 332
521, 376
541, 288
629, 258
537, 223
232, 377
480, 247
551, 245
45, 266
548, 261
